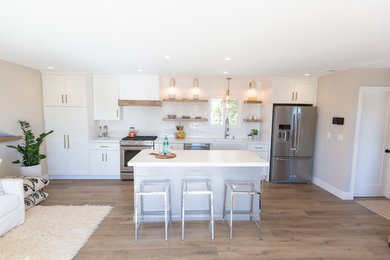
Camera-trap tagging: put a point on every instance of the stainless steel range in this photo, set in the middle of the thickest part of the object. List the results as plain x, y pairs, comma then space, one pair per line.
130, 147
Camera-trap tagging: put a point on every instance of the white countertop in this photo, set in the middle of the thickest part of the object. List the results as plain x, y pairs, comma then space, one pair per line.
211, 158
209, 140
106, 140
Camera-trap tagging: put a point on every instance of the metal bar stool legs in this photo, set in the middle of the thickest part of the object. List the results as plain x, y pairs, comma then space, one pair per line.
165, 192
206, 191
240, 188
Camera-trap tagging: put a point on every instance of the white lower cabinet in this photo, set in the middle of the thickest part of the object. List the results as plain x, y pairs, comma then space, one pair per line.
259, 149
104, 159
67, 147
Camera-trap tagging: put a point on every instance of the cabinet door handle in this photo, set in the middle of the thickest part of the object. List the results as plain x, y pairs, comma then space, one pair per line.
102, 157
68, 142
64, 142
106, 157
104, 146
292, 96
62, 98
66, 99
296, 96
117, 113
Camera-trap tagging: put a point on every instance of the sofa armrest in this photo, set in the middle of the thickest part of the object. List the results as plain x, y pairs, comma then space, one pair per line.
13, 186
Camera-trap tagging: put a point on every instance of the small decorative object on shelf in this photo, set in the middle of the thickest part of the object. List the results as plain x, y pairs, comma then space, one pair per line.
255, 134
180, 134
252, 98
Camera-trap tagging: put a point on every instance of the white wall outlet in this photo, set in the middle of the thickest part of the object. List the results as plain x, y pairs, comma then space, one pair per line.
329, 135
340, 137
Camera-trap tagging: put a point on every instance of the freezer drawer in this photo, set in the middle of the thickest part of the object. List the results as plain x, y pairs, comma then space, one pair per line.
292, 169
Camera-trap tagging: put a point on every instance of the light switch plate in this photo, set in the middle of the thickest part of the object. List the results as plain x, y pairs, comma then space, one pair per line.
340, 137
329, 135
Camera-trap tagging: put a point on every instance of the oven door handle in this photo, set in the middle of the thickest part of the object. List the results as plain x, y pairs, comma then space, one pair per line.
135, 148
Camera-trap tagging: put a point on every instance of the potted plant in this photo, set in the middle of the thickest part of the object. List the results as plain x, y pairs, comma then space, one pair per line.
255, 134
30, 165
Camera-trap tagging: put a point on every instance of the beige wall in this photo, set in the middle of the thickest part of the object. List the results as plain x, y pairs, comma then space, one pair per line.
20, 99
337, 95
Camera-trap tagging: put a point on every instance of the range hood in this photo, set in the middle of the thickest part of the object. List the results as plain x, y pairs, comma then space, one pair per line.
139, 90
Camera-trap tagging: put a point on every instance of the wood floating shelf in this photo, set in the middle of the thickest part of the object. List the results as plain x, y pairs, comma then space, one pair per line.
253, 102
152, 103
252, 120
186, 119
9, 138
186, 100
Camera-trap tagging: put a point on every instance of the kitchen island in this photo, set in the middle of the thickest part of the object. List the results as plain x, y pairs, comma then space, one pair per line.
216, 165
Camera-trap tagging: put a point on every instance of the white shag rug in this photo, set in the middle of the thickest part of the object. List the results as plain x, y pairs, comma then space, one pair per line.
52, 232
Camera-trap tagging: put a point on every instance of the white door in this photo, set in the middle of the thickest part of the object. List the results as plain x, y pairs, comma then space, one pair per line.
105, 97
370, 170
53, 87
76, 90
77, 140
305, 91
283, 91
97, 162
56, 144
113, 162
386, 161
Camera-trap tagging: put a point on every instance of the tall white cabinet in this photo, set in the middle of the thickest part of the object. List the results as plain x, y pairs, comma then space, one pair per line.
67, 111
105, 97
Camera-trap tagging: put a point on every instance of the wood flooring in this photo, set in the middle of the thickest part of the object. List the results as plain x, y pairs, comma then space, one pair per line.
300, 221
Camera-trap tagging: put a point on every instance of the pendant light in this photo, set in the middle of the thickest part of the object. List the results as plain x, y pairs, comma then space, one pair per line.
228, 95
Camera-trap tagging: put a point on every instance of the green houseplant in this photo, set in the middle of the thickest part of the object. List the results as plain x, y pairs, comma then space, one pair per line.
30, 151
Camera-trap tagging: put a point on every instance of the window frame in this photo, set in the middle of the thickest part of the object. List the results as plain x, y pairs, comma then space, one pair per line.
239, 101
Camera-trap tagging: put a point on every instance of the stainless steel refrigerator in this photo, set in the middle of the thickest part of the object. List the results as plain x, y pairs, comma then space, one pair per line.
293, 136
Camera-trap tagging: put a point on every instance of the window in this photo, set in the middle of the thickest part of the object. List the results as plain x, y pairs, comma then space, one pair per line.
220, 110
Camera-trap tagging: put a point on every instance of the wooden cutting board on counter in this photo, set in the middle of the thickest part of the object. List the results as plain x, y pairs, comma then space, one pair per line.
164, 156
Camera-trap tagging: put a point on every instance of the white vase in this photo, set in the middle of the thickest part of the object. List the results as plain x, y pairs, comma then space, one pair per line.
31, 171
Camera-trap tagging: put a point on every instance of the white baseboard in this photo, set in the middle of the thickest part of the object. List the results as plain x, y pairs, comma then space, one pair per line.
84, 177
331, 189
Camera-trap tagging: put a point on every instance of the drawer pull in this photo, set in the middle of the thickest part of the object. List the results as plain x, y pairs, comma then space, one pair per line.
104, 146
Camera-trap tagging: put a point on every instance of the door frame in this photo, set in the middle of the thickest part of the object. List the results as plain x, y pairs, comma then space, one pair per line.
363, 90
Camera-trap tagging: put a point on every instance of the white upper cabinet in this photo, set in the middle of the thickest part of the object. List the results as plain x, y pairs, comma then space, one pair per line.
64, 90
139, 87
294, 90
105, 97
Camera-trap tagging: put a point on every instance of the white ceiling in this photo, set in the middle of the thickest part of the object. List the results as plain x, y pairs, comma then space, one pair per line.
263, 37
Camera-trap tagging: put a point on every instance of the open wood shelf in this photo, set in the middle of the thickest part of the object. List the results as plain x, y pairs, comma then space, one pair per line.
186, 120
153, 103
9, 138
252, 120
186, 100
253, 102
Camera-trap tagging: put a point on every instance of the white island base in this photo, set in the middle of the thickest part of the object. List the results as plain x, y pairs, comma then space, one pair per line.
216, 165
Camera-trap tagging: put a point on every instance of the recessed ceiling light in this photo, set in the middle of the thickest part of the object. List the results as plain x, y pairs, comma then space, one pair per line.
167, 57
306, 74
225, 72
139, 70
228, 58
50, 67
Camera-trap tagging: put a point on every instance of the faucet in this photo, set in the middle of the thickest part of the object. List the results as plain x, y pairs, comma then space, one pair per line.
227, 130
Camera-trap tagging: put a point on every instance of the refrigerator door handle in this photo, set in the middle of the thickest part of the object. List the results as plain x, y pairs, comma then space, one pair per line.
298, 132
294, 128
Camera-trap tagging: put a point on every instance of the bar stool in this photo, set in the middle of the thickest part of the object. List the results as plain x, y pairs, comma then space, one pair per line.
153, 188
197, 187
251, 188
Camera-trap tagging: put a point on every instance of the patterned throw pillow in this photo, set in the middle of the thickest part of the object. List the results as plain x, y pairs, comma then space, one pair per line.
33, 184
35, 199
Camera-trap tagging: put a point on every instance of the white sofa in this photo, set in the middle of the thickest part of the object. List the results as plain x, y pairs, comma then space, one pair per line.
11, 204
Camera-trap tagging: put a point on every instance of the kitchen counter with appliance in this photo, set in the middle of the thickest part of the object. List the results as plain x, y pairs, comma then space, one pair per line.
209, 140
216, 165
